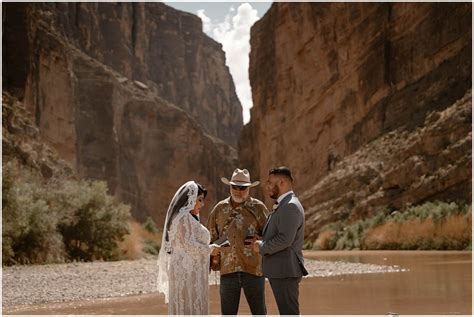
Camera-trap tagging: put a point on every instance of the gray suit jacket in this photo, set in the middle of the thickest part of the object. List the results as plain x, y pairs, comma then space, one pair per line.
283, 240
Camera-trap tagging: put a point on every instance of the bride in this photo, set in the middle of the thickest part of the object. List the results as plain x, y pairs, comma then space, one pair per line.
183, 261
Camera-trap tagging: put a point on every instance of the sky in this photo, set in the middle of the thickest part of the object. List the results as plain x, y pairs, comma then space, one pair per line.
229, 23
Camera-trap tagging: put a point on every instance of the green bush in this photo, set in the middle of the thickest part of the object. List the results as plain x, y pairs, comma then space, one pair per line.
150, 226
92, 223
469, 246
307, 245
29, 232
151, 247
378, 219
59, 220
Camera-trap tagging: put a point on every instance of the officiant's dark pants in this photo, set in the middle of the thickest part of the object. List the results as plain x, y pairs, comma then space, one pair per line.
254, 290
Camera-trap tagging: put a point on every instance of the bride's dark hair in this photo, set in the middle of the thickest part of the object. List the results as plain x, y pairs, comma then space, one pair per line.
183, 200
201, 189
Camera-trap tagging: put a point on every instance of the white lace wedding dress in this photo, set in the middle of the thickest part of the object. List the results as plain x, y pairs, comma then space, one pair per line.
189, 268
184, 263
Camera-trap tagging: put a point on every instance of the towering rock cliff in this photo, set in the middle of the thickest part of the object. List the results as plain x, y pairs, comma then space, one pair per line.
148, 42
132, 93
329, 79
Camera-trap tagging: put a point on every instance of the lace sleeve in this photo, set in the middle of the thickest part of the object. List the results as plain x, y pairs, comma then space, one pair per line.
188, 236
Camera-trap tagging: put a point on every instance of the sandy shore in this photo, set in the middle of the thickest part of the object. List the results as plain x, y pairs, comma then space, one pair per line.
60, 283
340, 283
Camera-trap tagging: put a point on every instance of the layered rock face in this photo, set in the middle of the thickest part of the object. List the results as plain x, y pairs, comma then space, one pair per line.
328, 79
402, 168
149, 42
134, 94
21, 142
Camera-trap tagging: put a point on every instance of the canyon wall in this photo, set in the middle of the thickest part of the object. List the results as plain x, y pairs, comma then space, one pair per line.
131, 93
329, 79
149, 42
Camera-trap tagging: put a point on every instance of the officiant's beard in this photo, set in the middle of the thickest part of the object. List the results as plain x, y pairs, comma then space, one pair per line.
239, 200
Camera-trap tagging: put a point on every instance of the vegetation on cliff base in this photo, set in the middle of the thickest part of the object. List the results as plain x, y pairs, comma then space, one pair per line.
58, 220
430, 226
143, 240
49, 215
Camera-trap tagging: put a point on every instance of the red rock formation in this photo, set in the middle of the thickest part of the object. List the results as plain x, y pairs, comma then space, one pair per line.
22, 143
149, 42
134, 94
329, 78
402, 168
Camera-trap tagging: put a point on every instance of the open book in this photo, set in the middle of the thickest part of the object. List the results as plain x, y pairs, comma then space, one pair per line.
222, 242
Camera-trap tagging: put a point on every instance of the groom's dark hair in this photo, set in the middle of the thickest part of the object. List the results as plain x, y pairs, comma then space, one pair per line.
281, 171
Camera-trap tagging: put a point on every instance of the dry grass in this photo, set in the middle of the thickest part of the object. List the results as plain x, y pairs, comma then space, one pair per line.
456, 227
132, 246
323, 242
416, 234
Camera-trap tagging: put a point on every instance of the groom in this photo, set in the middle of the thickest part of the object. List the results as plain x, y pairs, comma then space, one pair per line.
282, 242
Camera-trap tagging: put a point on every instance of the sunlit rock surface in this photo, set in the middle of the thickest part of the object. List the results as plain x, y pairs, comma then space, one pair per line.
131, 93
367, 103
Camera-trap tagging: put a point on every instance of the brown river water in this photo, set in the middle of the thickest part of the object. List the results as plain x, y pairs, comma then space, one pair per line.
431, 282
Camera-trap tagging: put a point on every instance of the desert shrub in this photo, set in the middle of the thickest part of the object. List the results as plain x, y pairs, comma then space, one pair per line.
432, 225
29, 232
150, 226
469, 246
59, 220
139, 242
151, 247
329, 236
307, 245
324, 241
92, 222
152, 242
378, 219
9, 207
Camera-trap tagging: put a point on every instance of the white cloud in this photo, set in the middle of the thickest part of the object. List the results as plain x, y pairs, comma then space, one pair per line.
206, 21
234, 35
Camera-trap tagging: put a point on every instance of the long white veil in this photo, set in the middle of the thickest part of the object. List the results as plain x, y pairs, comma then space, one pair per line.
182, 203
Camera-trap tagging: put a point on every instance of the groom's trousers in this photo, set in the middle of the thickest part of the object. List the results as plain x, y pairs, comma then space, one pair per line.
254, 290
286, 292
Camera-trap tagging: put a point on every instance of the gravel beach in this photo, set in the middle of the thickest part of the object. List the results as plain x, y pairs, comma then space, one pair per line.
56, 283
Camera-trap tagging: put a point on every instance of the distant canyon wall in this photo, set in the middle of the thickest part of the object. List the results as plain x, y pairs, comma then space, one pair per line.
329, 79
150, 42
131, 93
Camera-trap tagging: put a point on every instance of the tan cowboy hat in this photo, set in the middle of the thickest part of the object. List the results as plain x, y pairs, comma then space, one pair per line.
240, 178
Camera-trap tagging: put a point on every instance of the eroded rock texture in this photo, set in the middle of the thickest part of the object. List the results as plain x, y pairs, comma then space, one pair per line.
332, 81
432, 162
131, 93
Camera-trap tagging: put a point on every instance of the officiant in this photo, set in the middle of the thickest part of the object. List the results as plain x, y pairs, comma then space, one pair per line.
235, 219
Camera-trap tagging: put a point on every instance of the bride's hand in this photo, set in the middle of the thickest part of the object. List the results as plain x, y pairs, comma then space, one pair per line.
215, 249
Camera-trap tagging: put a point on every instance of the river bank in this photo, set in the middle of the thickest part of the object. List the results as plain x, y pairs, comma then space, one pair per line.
339, 283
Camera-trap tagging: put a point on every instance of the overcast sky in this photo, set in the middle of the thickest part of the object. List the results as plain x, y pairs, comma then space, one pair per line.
229, 24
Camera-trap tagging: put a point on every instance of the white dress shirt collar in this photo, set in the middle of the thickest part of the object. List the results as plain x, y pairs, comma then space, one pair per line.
283, 196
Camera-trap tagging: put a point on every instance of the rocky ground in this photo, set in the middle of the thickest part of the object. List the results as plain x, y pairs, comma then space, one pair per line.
40, 284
